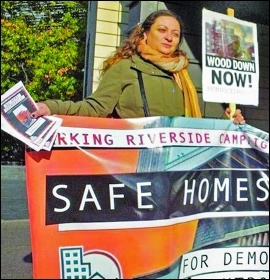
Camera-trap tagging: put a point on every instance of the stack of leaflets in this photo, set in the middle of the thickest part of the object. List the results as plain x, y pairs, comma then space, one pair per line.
17, 105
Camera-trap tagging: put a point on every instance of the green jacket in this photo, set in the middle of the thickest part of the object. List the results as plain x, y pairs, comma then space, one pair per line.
119, 89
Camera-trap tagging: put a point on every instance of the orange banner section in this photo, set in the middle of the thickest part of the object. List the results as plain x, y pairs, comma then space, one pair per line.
139, 251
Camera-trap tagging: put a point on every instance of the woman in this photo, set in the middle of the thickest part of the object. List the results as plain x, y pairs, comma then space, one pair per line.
149, 61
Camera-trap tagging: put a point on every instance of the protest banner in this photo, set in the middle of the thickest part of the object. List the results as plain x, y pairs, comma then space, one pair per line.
150, 198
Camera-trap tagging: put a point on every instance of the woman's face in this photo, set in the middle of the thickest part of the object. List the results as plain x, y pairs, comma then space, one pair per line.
164, 35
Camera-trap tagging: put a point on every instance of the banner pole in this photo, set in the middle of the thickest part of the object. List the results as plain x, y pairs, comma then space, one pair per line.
232, 106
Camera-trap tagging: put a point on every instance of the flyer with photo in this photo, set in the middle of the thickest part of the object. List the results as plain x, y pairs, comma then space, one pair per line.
16, 108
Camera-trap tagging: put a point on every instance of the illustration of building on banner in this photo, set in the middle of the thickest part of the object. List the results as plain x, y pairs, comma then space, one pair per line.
214, 162
198, 157
77, 264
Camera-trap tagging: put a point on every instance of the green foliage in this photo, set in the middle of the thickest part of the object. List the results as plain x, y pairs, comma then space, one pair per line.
12, 150
43, 48
43, 45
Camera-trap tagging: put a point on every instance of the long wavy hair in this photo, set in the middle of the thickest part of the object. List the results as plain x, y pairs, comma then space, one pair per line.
129, 46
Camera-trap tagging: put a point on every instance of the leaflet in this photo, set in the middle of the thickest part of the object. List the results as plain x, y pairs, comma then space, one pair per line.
17, 105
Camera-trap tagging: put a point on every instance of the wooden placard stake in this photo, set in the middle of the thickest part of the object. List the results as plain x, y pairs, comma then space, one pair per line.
232, 106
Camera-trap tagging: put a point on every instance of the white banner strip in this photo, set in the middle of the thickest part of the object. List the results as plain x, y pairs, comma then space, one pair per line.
158, 223
156, 137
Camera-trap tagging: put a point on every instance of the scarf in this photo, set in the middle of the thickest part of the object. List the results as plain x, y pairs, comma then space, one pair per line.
178, 67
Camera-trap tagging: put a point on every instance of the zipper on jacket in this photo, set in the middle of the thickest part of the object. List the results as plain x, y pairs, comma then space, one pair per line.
174, 85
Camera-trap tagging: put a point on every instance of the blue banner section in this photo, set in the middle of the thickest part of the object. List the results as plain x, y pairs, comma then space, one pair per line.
225, 189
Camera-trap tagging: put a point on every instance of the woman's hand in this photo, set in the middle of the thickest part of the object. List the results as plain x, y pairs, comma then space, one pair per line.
43, 110
237, 116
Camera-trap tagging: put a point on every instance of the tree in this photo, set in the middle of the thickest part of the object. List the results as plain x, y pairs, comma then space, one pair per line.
42, 45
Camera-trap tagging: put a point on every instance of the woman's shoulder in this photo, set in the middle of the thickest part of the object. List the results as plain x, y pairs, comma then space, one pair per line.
134, 62
127, 62
120, 69
122, 63
122, 66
